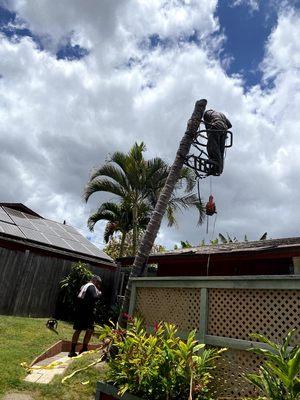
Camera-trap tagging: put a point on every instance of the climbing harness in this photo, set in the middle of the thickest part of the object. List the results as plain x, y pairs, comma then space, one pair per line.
199, 160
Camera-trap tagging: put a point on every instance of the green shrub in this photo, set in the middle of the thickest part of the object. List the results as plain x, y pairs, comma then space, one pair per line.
69, 289
279, 376
158, 366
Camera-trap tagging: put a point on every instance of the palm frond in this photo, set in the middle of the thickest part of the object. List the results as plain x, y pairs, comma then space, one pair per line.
189, 200
109, 230
103, 185
100, 215
136, 152
170, 212
121, 159
112, 172
223, 238
264, 236
187, 179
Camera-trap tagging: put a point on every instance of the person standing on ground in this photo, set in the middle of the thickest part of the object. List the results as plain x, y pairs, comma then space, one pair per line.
217, 124
84, 314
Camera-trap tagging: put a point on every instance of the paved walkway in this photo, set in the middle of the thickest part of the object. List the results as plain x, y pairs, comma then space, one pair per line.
46, 375
17, 396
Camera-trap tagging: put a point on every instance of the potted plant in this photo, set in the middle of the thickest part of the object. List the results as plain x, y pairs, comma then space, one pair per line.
156, 366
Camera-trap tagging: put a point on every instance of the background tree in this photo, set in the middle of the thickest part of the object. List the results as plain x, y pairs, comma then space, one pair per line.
136, 183
120, 220
112, 248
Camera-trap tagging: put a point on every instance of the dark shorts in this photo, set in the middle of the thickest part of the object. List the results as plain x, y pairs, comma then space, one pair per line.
84, 319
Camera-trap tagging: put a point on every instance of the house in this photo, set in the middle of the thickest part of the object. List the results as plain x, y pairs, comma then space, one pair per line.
265, 257
35, 255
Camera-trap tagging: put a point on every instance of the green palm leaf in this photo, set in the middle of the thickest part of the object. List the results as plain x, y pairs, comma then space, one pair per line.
137, 183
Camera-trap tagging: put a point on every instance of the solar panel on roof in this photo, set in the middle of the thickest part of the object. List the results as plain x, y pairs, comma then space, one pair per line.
58, 230
70, 229
47, 232
97, 252
4, 217
59, 242
10, 229
79, 238
93, 249
34, 235
19, 218
79, 247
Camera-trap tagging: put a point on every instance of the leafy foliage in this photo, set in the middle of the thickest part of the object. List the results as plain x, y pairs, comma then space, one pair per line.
136, 183
279, 376
185, 244
158, 366
114, 245
70, 286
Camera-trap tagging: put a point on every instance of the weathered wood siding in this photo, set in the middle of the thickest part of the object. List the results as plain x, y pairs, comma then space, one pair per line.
29, 282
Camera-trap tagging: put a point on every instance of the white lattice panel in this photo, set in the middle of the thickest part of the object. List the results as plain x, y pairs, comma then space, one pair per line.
235, 313
228, 382
179, 306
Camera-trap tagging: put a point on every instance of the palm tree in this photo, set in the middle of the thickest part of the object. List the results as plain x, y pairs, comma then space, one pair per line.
119, 217
162, 203
137, 183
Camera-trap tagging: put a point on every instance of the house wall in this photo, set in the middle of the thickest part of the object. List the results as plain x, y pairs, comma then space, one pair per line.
220, 265
223, 311
29, 281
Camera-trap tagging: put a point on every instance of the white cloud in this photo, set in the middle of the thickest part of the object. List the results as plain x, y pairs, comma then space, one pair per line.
58, 119
283, 49
252, 4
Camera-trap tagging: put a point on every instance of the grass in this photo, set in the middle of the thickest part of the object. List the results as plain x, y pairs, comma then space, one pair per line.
22, 339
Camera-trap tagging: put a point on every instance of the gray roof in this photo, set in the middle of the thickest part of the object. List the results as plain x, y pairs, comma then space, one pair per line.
238, 247
33, 228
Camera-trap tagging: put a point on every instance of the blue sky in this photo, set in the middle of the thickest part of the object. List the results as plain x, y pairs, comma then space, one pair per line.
246, 31
246, 34
78, 85
11, 27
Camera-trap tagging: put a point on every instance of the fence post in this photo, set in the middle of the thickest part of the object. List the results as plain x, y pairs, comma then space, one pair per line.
203, 315
132, 299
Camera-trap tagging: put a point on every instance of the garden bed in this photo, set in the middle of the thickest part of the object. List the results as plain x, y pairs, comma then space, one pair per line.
60, 347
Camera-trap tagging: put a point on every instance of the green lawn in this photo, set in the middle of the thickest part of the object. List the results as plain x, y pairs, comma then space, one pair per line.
22, 339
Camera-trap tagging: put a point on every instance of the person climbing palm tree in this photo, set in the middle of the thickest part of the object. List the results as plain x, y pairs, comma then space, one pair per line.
216, 124
162, 203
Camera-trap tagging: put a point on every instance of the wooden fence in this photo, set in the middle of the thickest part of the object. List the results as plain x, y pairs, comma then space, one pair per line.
29, 282
224, 311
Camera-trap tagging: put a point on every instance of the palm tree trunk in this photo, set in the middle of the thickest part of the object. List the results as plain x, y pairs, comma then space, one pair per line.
161, 205
122, 244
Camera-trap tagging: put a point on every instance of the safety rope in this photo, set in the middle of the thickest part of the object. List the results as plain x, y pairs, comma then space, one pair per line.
213, 230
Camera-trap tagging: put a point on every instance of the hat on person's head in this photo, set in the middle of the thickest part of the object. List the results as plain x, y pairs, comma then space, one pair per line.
96, 278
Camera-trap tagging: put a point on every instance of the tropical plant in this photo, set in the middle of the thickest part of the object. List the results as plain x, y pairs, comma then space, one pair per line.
279, 375
229, 239
160, 365
69, 288
185, 244
137, 182
167, 188
120, 219
113, 247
